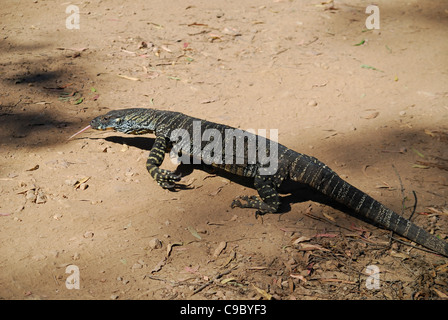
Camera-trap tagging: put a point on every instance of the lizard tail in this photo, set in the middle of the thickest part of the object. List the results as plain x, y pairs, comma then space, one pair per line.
325, 180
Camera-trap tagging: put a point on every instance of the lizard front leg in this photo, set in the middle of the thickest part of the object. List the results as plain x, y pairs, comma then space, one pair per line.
269, 198
165, 178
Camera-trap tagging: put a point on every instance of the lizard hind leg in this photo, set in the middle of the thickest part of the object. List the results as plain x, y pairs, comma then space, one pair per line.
268, 202
165, 178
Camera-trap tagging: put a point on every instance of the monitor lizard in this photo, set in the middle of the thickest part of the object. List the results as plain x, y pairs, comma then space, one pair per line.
291, 165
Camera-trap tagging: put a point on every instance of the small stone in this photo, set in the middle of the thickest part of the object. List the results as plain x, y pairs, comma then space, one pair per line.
39, 257
231, 31
76, 256
136, 266
57, 216
70, 182
124, 148
88, 234
83, 186
155, 243
31, 195
312, 103
41, 197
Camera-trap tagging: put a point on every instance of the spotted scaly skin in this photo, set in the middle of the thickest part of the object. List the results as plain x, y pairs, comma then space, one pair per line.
291, 166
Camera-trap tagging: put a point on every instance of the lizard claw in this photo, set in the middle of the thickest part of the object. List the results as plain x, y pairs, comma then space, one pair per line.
166, 178
259, 213
252, 202
236, 203
166, 185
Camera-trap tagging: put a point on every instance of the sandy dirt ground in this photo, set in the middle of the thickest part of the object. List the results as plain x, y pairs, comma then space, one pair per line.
371, 104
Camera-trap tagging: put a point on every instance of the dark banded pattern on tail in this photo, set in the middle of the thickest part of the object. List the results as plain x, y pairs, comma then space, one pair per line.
310, 171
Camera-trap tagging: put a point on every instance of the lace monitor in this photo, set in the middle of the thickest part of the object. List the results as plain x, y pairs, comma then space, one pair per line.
291, 165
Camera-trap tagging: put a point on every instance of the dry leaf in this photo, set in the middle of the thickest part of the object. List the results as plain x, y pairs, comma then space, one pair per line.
207, 101
194, 233
289, 229
325, 235
214, 37
385, 185
310, 247
83, 180
73, 49
34, 168
263, 293
170, 246
372, 115
437, 211
127, 77
364, 170
224, 281
214, 193
129, 52
257, 268
430, 133
232, 256
234, 218
166, 48
159, 266
331, 134
222, 245
301, 239
328, 217
298, 276
337, 280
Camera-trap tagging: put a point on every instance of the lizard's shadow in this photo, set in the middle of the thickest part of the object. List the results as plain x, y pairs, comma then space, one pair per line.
292, 192
143, 143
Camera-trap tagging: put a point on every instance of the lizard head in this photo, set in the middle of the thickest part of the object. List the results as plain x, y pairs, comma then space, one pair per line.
125, 120
109, 121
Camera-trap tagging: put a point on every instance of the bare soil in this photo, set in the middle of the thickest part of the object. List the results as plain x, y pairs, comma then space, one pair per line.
376, 113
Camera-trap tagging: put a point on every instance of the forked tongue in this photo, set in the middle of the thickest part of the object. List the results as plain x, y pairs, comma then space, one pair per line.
88, 127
